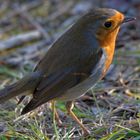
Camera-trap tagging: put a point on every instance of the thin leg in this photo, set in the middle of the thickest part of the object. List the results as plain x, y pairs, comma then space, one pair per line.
59, 122
69, 107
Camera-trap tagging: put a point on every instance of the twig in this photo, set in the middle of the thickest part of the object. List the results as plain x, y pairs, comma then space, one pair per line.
115, 88
25, 8
28, 17
19, 39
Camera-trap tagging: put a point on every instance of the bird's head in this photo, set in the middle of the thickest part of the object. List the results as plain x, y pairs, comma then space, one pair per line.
104, 24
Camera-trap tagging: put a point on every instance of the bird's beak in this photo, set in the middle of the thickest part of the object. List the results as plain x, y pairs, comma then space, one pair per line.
128, 19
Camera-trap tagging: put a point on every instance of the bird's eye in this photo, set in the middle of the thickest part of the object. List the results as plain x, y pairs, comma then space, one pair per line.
108, 24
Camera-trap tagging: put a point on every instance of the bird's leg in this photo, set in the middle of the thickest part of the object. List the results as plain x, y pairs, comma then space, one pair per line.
69, 107
59, 122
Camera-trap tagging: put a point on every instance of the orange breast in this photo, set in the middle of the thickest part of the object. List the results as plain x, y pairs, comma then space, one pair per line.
109, 57
108, 44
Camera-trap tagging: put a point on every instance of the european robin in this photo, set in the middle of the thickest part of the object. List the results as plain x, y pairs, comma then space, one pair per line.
74, 64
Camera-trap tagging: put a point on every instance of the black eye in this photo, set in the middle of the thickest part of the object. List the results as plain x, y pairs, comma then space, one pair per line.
108, 24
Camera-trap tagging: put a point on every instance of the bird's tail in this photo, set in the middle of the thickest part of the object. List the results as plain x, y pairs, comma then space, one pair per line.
27, 83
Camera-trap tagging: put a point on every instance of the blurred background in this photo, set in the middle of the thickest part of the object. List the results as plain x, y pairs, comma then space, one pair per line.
111, 111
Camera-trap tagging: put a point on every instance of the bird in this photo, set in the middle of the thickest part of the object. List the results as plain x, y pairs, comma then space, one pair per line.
73, 65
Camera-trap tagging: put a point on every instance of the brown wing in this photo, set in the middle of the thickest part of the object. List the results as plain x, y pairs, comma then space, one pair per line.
54, 86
